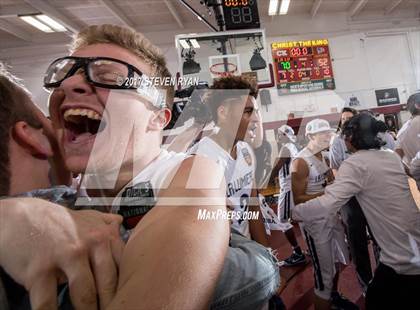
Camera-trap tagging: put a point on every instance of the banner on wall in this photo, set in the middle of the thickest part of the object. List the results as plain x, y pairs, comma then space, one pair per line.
387, 96
302, 66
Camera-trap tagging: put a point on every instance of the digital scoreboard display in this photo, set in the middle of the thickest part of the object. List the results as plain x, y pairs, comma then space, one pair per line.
302, 66
241, 14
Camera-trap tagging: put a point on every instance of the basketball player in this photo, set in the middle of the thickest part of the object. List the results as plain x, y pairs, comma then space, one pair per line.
325, 240
232, 102
287, 151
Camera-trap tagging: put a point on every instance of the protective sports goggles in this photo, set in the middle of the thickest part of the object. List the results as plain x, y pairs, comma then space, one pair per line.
104, 72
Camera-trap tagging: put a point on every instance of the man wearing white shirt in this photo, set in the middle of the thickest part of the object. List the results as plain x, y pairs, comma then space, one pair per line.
377, 179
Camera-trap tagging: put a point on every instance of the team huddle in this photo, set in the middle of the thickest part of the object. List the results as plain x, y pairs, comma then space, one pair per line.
97, 213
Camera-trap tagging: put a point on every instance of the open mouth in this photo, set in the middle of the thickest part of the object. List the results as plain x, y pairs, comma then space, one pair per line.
82, 124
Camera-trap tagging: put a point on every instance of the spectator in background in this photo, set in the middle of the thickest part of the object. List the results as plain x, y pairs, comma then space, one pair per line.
408, 139
338, 150
390, 124
386, 136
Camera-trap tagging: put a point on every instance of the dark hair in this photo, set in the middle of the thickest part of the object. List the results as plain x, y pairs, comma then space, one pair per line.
14, 107
412, 103
382, 127
346, 109
362, 130
215, 99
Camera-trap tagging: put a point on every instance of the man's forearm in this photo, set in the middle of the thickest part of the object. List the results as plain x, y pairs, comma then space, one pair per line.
306, 197
172, 261
310, 210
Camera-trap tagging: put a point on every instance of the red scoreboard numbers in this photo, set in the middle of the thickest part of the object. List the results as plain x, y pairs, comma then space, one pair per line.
302, 66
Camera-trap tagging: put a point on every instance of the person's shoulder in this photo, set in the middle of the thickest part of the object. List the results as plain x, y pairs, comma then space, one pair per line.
199, 171
369, 158
300, 165
207, 147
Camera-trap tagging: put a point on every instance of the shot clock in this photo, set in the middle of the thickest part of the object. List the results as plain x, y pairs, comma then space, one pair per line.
302, 66
241, 14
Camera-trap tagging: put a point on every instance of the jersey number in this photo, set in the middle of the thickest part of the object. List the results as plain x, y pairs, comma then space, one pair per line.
243, 203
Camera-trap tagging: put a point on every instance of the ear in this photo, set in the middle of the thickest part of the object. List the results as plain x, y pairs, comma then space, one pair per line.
32, 140
160, 119
222, 113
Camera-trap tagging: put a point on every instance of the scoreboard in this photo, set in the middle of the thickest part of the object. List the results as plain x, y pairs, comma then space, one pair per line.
302, 66
241, 14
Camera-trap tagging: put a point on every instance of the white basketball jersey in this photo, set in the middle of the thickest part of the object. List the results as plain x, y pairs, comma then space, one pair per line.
239, 184
239, 175
317, 171
139, 196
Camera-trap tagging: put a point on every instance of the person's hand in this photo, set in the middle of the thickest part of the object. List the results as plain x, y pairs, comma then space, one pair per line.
43, 244
329, 177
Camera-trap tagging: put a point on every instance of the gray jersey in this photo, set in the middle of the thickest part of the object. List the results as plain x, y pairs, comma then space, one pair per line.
378, 180
140, 195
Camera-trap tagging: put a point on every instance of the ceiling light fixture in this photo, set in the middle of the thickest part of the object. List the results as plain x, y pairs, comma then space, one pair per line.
273, 6
284, 7
184, 43
188, 43
194, 43
51, 22
43, 22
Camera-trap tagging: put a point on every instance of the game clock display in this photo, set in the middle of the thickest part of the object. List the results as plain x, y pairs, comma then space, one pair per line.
241, 14
302, 66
